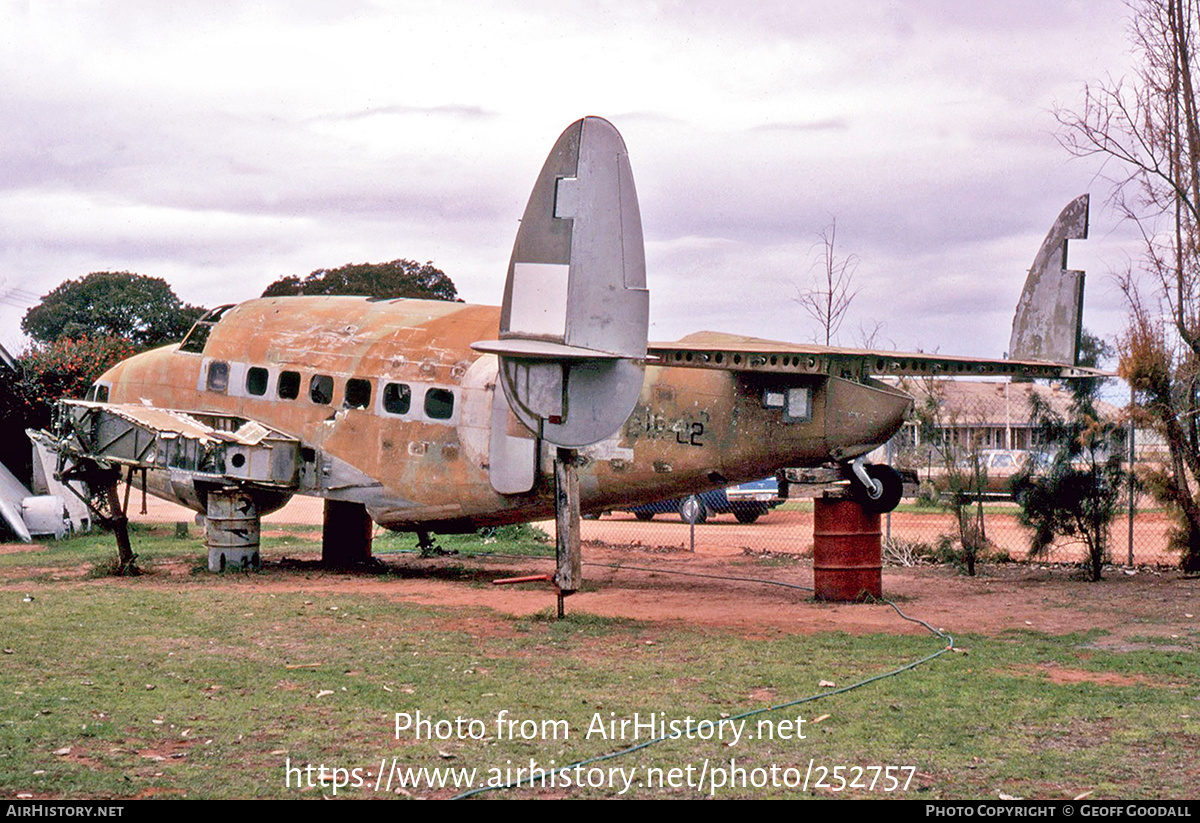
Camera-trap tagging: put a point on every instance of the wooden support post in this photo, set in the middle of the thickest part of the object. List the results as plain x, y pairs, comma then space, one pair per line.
346, 534
120, 526
569, 574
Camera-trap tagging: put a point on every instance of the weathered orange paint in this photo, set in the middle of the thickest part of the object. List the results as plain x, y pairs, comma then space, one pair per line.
691, 429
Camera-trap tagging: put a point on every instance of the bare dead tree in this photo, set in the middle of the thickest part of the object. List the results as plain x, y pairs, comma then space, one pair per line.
833, 284
1147, 128
870, 335
962, 475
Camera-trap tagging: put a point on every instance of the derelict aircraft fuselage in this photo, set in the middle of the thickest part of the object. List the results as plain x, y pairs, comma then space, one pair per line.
439, 416
397, 412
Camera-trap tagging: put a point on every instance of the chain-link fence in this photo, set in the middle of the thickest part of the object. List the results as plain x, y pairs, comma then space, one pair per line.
977, 430
973, 448
915, 530
918, 529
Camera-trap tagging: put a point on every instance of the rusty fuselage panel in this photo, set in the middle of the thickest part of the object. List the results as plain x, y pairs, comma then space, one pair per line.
393, 410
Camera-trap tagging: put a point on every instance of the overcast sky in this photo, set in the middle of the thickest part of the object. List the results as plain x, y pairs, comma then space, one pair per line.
221, 146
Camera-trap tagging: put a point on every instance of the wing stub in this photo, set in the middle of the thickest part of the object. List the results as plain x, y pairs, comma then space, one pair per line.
851, 363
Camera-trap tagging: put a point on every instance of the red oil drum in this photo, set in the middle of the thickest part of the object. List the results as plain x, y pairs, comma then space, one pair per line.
847, 557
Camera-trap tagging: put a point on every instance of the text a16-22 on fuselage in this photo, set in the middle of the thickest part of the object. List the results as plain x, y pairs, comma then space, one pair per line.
394, 408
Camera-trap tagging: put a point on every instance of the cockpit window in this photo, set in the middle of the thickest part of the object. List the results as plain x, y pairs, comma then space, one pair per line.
195, 339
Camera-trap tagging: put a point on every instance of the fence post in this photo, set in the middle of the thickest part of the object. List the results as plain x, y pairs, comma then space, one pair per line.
891, 461
1132, 487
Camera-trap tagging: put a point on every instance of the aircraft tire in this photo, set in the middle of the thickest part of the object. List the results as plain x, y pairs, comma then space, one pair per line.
644, 516
892, 489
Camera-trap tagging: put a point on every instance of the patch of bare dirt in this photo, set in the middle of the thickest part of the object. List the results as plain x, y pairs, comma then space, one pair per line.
17, 548
1061, 675
756, 596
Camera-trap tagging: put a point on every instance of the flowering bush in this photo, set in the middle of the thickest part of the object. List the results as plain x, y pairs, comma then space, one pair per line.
65, 368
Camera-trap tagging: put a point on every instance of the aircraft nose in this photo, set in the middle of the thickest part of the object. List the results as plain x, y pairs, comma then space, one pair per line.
862, 416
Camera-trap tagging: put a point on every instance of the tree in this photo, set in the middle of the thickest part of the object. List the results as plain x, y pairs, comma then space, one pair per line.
64, 368
963, 474
1078, 494
833, 288
1148, 126
399, 278
143, 310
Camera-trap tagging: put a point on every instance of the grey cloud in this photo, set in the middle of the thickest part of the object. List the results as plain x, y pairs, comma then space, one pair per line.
458, 111
828, 124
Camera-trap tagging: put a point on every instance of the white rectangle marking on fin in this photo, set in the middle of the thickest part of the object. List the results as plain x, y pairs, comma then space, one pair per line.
539, 299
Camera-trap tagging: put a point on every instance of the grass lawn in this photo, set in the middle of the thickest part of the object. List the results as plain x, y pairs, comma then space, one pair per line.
212, 686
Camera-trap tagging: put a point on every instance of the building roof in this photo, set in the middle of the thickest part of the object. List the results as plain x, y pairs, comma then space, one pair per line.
995, 402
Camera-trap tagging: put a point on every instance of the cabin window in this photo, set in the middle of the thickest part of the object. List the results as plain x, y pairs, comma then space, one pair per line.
98, 393
320, 389
256, 381
439, 404
289, 385
773, 399
397, 398
799, 405
218, 375
358, 393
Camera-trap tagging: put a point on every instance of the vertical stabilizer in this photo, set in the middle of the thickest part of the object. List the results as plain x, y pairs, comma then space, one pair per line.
578, 270
1049, 314
576, 309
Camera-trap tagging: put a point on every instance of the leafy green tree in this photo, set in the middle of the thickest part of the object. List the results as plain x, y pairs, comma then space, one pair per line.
143, 310
399, 278
1079, 492
66, 368
14, 449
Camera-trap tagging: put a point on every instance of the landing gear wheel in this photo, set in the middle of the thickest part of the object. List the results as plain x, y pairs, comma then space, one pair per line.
644, 515
884, 498
428, 547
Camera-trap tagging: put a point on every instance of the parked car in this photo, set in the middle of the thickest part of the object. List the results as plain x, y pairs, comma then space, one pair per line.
746, 501
1003, 471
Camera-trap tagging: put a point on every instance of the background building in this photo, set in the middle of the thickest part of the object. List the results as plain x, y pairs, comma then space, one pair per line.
956, 416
